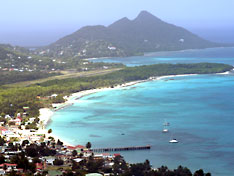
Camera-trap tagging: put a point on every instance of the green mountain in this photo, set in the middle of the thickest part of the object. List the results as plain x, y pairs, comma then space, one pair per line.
146, 33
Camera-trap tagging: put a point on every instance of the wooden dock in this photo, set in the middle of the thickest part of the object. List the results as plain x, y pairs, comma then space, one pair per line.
147, 147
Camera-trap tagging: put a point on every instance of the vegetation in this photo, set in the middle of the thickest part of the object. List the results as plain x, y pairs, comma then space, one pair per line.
121, 168
50, 131
12, 100
88, 145
8, 77
18, 64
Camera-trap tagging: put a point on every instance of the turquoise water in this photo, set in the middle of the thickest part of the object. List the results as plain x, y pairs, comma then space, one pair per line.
199, 108
215, 55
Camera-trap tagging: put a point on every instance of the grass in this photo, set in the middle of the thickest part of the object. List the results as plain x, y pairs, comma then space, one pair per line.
65, 75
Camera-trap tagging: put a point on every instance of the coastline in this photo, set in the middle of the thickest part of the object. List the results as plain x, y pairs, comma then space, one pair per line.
47, 113
157, 52
45, 116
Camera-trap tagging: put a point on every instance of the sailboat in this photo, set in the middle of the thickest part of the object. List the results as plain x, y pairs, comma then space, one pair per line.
166, 123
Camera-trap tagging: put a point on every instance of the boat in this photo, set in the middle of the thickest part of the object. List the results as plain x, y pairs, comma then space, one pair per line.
165, 130
166, 123
173, 141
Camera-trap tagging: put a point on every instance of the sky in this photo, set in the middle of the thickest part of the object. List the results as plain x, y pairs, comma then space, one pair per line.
41, 22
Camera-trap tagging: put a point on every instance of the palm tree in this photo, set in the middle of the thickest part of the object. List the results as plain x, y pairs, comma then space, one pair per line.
88, 145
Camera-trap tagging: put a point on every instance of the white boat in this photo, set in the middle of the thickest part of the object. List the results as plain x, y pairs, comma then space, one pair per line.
165, 130
173, 141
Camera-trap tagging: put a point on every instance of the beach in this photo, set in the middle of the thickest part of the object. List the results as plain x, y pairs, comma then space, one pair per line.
46, 113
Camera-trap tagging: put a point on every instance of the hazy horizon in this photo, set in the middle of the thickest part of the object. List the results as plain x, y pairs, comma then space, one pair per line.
39, 23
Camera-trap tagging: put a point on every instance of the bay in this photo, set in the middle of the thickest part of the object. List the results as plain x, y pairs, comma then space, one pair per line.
199, 109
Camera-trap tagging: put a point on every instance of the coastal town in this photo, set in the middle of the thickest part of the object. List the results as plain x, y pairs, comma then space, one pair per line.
29, 148
37, 151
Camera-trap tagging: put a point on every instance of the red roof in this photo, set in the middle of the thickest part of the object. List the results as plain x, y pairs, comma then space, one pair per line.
80, 146
75, 147
39, 166
7, 164
117, 154
2, 128
71, 148
19, 118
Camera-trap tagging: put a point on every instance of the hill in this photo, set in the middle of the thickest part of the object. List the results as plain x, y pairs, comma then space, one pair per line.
18, 64
145, 33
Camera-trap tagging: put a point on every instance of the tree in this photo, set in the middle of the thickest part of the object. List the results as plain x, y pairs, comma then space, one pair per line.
74, 153
58, 162
88, 145
2, 141
32, 151
59, 142
50, 131
25, 142
2, 159
4, 167
199, 172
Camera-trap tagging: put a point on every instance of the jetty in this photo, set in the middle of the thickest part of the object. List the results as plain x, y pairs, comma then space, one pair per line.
146, 147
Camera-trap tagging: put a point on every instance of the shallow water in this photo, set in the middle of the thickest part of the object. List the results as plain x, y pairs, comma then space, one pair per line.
216, 55
200, 110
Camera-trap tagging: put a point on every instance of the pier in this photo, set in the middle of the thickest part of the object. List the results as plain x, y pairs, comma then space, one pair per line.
147, 147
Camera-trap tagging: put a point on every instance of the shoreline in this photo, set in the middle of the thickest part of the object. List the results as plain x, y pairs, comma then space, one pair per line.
157, 52
47, 113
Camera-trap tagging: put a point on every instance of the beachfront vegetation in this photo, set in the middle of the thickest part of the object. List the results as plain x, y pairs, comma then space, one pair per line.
12, 100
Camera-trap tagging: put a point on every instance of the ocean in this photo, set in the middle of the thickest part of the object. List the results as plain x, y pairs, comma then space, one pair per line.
199, 108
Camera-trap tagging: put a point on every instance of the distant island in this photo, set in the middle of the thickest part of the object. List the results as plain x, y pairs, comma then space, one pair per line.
145, 33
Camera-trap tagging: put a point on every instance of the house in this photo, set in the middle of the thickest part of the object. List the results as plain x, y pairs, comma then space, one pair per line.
35, 138
77, 160
49, 160
39, 166
25, 108
7, 166
31, 120
93, 174
2, 129
117, 154
78, 148
7, 132
54, 95
7, 116
16, 122
111, 48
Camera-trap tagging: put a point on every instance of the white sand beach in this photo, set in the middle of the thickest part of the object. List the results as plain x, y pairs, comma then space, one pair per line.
46, 113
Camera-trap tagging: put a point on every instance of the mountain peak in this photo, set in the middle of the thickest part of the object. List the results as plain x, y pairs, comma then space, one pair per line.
146, 33
144, 15
122, 22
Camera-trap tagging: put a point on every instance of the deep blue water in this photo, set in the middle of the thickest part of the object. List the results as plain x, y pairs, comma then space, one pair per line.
199, 108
